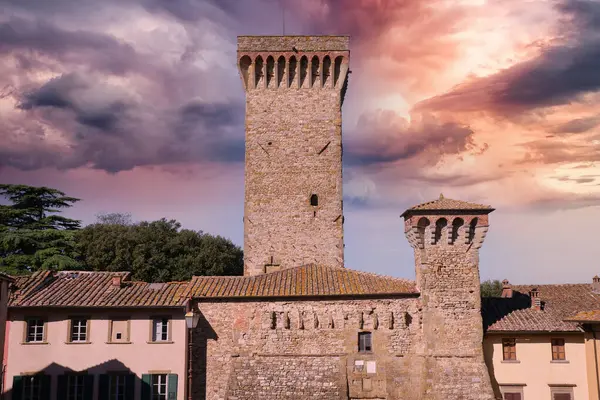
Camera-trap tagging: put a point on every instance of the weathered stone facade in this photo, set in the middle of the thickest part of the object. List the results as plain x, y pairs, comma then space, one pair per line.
293, 177
301, 332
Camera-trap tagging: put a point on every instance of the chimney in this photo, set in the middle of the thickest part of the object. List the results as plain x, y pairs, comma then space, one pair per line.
116, 281
596, 284
507, 291
536, 302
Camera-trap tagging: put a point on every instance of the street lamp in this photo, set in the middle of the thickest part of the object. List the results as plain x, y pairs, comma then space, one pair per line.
191, 321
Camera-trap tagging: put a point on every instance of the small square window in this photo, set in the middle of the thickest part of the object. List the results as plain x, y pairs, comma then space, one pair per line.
558, 350
35, 330
364, 342
509, 349
160, 330
79, 330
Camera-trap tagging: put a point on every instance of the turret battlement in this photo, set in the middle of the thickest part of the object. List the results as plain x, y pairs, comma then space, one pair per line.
293, 62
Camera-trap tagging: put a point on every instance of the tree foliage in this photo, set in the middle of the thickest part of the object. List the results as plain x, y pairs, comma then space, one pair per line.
156, 251
491, 288
32, 236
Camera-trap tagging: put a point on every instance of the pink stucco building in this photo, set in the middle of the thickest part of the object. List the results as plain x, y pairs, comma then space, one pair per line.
98, 335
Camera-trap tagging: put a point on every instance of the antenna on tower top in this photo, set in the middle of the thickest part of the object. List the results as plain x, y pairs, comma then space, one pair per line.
282, 3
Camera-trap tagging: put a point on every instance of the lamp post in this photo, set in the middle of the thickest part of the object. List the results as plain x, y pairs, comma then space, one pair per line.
191, 321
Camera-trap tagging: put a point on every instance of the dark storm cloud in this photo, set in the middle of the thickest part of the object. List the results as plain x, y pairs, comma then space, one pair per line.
558, 76
103, 52
386, 137
579, 125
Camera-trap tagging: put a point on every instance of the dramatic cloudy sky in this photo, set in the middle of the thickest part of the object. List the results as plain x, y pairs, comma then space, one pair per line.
136, 106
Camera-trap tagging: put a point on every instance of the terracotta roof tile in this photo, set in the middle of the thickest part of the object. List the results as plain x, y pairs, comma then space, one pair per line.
445, 204
585, 316
93, 289
307, 280
560, 303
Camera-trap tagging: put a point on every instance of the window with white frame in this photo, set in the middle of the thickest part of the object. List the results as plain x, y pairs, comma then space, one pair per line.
160, 329
32, 388
117, 387
159, 387
35, 330
79, 331
75, 384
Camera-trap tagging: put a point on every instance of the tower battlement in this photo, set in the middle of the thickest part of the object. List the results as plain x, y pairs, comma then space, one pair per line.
293, 212
293, 62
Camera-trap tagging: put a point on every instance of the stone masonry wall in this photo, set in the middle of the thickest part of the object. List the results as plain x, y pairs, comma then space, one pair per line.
282, 349
293, 150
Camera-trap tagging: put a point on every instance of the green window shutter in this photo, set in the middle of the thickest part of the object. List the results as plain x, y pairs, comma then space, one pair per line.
103, 387
172, 387
17, 388
61, 388
129, 386
146, 386
45, 387
88, 387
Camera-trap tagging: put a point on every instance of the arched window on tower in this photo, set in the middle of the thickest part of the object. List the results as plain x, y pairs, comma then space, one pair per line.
314, 200
421, 228
270, 71
245, 63
326, 69
472, 227
456, 224
303, 71
440, 226
280, 71
292, 71
258, 71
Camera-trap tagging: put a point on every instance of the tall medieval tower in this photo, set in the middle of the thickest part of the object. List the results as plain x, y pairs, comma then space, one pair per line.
293, 213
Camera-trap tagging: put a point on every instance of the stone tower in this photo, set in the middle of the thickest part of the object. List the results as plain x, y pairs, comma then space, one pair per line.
293, 213
446, 236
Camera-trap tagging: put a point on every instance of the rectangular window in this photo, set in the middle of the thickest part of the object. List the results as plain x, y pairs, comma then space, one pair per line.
79, 328
32, 387
117, 387
512, 396
562, 393
160, 330
35, 330
558, 349
75, 384
159, 387
364, 342
119, 330
509, 349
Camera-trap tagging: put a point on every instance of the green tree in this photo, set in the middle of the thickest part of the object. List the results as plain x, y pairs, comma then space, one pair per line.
491, 288
32, 236
156, 251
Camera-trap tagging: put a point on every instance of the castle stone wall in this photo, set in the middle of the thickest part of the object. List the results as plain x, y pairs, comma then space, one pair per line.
293, 151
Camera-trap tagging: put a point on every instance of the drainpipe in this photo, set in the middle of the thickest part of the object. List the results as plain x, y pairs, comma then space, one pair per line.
596, 362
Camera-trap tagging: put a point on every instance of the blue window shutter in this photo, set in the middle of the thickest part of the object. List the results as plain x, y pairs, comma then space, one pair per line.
88, 387
129, 386
61, 389
45, 387
103, 387
172, 387
146, 386
17, 388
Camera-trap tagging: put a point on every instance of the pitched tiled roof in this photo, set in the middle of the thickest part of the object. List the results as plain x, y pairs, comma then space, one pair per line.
94, 289
444, 204
307, 280
585, 316
560, 302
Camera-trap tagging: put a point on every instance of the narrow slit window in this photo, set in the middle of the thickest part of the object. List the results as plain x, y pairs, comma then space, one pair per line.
314, 200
